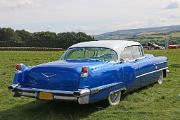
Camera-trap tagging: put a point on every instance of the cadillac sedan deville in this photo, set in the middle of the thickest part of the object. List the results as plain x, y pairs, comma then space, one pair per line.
89, 72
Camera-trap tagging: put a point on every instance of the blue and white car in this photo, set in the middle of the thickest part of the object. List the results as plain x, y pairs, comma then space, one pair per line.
89, 72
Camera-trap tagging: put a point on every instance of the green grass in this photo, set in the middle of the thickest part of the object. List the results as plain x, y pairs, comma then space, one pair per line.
158, 102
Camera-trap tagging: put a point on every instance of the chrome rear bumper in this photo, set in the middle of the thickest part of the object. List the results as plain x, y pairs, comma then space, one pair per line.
82, 95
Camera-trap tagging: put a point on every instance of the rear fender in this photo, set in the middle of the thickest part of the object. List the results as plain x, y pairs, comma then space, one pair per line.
18, 76
102, 92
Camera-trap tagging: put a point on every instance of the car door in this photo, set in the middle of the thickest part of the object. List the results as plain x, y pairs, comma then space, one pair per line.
145, 69
145, 66
131, 70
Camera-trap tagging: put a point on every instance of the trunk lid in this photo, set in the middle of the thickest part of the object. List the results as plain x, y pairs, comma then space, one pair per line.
58, 75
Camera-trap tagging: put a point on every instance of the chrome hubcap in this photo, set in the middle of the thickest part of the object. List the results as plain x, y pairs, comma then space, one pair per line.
114, 98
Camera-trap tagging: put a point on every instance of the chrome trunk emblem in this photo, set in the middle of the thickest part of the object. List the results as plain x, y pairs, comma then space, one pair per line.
48, 75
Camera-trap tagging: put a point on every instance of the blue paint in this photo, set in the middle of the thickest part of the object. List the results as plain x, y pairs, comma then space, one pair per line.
65, 75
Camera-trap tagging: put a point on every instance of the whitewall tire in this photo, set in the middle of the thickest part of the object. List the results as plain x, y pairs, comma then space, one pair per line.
114, 98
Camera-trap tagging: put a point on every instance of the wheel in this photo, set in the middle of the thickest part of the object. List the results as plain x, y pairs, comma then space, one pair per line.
114, 98
160, 80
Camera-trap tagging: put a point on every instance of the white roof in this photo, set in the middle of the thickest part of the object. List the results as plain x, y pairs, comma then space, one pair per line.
116, 45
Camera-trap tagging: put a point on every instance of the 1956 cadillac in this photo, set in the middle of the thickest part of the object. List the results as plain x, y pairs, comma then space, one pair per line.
89, 72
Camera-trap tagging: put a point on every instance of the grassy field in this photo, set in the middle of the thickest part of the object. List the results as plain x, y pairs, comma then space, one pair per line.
159, 38
157, 102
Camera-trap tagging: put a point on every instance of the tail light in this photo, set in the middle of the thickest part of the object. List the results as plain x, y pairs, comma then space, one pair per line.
19, 67
84, 72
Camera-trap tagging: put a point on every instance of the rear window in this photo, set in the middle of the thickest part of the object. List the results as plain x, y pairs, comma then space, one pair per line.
102, 54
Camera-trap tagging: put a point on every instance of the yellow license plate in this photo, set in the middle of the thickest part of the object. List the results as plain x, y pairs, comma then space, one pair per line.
45, 96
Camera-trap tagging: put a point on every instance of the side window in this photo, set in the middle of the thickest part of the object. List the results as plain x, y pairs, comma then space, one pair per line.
127, 54
136, 52
131, 53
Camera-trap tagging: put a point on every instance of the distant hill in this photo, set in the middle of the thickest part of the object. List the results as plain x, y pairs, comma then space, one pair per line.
137, 33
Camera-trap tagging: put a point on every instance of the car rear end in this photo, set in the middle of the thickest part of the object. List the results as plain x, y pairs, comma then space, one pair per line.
51, 83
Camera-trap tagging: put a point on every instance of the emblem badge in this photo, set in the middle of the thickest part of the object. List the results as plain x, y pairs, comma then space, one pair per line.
48, 75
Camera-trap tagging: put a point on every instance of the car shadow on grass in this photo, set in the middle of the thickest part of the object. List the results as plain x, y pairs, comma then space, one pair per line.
52, 110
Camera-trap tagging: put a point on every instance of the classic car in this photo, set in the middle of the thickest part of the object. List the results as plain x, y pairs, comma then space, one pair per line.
89, 72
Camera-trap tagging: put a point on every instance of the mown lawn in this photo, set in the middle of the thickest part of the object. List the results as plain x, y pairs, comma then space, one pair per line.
158, 102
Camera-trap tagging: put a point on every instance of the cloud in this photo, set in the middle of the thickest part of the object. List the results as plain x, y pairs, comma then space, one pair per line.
15, 4
90, 16
138, 24
172, 5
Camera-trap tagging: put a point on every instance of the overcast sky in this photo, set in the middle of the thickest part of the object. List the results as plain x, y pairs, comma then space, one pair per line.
90, 16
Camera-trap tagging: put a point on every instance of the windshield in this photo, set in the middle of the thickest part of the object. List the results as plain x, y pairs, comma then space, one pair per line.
95, 53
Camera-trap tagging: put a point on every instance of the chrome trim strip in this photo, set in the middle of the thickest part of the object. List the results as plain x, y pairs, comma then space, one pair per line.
151, 72
29, 94
136, 59
64, 98
17, 71
82, 91
44, 90
98, 89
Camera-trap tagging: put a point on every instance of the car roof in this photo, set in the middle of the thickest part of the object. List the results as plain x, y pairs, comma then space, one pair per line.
116, 45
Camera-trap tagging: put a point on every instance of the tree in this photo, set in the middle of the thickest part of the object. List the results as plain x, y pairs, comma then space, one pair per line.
44, 39
11, 38
24, 37
8, 37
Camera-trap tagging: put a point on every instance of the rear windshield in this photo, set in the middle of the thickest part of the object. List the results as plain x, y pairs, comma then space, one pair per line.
101, 54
